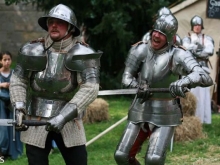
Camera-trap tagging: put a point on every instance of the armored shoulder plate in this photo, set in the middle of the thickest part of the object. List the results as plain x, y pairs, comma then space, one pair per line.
185, 59
81, 57
32, 57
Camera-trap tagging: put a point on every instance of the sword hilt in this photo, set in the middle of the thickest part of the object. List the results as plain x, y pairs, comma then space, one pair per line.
159, 90
149, 91
34, 122
30, 122
165, 90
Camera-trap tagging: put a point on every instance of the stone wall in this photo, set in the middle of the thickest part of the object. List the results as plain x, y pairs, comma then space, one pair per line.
18, 25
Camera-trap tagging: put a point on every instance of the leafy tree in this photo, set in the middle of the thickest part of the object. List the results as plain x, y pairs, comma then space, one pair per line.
111, 26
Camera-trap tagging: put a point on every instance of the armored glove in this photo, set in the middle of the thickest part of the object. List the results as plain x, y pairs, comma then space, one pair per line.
179, 87
20, 115
197, 51
57, 123
144, 93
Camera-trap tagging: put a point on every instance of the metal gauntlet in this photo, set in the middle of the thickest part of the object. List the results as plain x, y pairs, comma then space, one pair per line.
69, 112
57, 123
20, 111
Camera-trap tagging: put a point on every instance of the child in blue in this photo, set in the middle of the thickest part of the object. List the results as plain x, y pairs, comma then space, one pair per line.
8, 147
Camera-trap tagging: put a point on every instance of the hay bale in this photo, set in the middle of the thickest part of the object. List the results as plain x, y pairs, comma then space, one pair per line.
97, 111
189, 130
189, 104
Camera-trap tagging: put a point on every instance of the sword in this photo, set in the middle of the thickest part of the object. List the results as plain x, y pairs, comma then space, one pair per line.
11, 122
131, 91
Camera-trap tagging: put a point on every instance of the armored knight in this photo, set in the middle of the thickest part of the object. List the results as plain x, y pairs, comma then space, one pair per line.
162, 11
202, 47
156, 64
55, 79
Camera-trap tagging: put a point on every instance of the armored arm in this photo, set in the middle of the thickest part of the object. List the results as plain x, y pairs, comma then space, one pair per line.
185, 64
31, 57
200, 50
86, 62
195, 48
132, 65
208, 49
57, 123
186, 41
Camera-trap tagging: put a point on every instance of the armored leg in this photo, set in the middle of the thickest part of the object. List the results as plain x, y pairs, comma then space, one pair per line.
130, 144
158, 143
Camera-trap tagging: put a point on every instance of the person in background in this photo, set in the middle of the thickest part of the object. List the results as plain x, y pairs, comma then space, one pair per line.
156, 64
8, 147
54, 145
202, 47
64, 79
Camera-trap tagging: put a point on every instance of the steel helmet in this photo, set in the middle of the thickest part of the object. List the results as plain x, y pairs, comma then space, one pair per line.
167, 25
162, 11
61, 12
196, 20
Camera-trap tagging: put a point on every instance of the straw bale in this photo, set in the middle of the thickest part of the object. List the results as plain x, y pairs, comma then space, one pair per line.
188, 104
189, 130
97, 111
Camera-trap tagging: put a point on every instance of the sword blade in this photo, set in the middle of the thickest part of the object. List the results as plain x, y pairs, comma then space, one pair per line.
10, 122
6, 122
34, 122
131, 91
117, 92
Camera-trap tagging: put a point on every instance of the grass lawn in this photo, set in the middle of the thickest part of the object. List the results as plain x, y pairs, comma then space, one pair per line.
199, 152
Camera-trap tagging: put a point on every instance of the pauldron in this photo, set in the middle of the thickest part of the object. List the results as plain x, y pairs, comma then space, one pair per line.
31, 57
85, 60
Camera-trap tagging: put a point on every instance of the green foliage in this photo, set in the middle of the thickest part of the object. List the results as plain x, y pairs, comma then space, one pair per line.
111, 26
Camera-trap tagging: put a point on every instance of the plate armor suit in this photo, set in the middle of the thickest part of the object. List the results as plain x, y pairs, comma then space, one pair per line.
157, 115
55, 79
202, 47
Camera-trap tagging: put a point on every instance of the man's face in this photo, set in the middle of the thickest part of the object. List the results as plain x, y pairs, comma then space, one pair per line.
57, 28
158, 40
197, 29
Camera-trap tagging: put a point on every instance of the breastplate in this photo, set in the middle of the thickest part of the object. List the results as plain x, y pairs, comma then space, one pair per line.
55, 78
161, 109
156, 72
156, 68
51, 87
